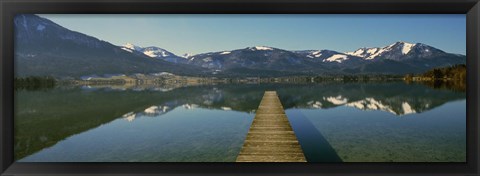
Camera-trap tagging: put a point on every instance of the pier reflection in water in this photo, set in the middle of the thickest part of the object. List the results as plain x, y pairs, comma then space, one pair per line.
334, 122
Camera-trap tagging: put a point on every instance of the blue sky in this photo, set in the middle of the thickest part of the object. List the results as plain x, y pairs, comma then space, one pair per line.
183, 33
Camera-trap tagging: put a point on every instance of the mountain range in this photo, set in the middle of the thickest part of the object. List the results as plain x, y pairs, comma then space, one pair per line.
43, 48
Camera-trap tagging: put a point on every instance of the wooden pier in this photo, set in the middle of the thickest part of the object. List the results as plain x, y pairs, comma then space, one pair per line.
271, 138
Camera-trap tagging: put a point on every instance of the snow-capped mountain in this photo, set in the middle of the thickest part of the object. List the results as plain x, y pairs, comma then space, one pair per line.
154, 52
326, 56
403, 57
151, 51
41, 42
397, 51
394, 51
397, 58
257, 60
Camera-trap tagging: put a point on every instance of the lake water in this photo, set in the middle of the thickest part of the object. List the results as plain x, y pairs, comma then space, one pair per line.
334, 122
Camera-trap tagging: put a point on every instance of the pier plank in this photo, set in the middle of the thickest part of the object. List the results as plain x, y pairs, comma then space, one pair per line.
271, 138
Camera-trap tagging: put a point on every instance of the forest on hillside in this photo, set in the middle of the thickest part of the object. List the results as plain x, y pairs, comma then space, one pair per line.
453, 78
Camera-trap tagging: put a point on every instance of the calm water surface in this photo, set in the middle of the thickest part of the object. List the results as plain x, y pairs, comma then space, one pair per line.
334, 122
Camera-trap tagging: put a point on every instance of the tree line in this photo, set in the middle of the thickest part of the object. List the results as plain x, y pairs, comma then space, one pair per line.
452, 78
456, 72
34, 82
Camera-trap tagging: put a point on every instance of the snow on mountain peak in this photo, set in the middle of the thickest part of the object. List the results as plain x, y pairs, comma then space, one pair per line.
260, 48
407, 47
402, 42
337, 58
187, 55
155, 52
364, 52
151, 51
371, 53
372, 50
127, 49
132, 47
311, 53
359, 52
225, 52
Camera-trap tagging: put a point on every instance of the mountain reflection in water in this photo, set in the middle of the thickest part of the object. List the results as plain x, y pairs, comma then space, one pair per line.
44, 118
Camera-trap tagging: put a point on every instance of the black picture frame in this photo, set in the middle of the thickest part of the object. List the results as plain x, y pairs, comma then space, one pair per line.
8, 9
